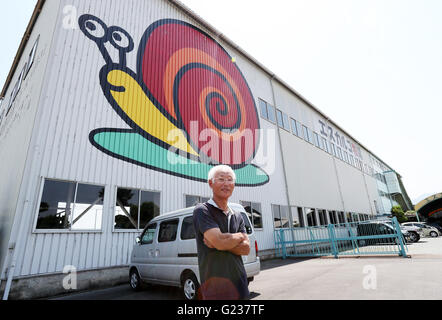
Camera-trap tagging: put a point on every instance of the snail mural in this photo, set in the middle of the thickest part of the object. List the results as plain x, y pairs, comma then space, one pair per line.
188, 105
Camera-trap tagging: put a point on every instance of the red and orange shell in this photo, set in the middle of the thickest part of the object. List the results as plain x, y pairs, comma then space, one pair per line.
199, 87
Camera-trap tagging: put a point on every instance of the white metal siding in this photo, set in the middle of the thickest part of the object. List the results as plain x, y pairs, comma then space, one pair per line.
73, 105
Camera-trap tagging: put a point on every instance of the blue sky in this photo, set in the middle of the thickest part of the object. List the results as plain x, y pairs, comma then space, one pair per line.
373, 66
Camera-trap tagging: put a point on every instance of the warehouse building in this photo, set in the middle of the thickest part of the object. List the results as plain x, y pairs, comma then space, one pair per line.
114, 112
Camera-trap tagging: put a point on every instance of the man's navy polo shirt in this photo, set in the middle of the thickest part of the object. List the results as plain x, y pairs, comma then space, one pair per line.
219, 269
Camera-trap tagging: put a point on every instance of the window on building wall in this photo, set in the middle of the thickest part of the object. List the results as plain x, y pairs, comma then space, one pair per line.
359, 164
254, 213
322, 217
280, 216
279, 118
325, 144
271, 113
352, 161
297, 217
300, 130
88, 207
346, 157
70, 206
192, 201
341, 217
294, 127
307, 134
332, 217
301, 216
315, 139
355, 217
321, 144
135, 208
333, 149
311, 217
267, 111
282, 120
285, 122
349, 217
263, 109
339, 153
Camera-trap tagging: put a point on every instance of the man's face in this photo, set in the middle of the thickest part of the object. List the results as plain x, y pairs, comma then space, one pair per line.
223, 185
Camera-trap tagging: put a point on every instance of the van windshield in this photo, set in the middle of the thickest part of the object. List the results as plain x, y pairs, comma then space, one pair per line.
249, 229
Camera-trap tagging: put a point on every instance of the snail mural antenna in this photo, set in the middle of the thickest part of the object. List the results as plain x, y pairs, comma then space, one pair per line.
97, 31
122, 41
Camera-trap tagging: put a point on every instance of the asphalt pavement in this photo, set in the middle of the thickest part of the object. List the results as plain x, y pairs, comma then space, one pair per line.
350, 278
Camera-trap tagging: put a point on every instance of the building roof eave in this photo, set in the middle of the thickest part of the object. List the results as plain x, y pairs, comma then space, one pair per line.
22, 46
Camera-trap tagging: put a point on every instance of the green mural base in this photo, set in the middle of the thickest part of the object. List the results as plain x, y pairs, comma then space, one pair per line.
132, 147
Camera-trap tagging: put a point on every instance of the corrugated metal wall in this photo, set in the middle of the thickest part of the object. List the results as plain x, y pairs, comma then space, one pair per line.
76, 101
73, 105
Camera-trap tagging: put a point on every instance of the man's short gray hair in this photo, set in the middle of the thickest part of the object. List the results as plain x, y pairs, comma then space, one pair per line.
220, 168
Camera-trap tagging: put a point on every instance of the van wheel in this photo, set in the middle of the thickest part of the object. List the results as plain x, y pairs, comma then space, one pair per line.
135, 280
190, 286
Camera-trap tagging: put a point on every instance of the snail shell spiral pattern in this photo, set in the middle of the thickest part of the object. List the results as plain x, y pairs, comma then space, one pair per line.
199, 87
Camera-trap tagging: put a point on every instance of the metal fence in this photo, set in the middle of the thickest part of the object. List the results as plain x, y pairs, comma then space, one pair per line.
374, 237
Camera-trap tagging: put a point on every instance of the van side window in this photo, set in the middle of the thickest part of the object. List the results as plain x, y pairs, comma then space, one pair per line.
149, 234
187, 229
168, 231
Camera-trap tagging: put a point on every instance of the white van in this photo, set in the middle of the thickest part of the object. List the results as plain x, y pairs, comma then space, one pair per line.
166, 253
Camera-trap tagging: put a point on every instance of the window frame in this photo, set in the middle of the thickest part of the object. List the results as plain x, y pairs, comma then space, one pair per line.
279, 119
177, 220
279, 211
306, 133
115, 230
316, 140
144, 232
194, 195
181, 228
285, 122
252, 221
65, 231
326, 145
274, 120
263, 103
294, 126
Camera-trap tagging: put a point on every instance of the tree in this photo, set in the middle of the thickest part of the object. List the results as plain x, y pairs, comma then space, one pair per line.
398, 212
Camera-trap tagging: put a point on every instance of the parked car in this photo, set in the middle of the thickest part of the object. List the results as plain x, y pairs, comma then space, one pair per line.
166, 253
435, 225
428, 231
415, 232
380, 233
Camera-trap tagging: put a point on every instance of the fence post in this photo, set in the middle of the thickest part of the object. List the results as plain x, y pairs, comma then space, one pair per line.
399, 237
282, 237
331, 231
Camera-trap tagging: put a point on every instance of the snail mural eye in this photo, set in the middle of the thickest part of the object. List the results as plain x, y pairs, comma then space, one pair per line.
93, 28
120, 39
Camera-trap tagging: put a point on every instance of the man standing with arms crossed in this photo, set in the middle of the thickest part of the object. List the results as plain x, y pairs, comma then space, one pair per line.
221, 241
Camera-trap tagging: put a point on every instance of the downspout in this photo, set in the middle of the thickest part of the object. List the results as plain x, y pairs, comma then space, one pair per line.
280, 146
